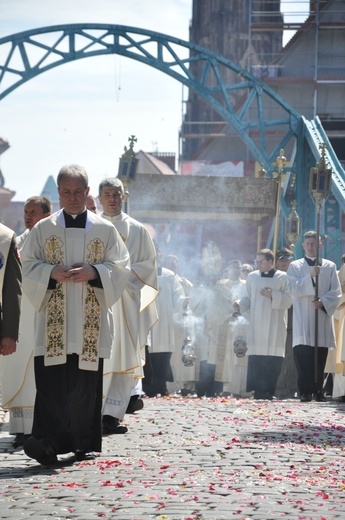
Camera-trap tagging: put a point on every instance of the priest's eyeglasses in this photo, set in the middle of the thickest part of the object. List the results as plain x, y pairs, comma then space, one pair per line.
260, 262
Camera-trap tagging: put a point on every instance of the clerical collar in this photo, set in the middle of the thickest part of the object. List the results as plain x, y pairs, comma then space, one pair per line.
75, 221
312, 260
269, 274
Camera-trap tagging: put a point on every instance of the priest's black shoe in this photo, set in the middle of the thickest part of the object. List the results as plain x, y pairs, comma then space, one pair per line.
81, 455
40, 450
111, 426
265, 396
19, 439
320, 398
306, 398
135, 404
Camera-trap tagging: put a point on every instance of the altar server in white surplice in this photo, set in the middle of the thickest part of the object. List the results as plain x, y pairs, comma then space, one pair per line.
134, 313
268, 300
184, 375
301, 279
211, 305
18, 388
75, 267
232, 370
170, 300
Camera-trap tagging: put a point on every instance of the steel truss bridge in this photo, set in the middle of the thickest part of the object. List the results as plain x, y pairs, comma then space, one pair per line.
264, 121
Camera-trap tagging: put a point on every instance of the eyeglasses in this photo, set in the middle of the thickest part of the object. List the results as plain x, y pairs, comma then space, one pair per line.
259, 262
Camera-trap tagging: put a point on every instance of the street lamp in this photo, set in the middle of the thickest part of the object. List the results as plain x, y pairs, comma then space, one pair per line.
261, 174
320, 180
293, 225
128, 166
319, 188
280, 160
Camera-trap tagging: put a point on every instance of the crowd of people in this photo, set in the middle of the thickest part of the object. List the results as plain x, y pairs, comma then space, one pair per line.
94, 318
254, 331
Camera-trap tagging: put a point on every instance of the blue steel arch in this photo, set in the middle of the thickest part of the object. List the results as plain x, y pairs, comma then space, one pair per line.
25, 55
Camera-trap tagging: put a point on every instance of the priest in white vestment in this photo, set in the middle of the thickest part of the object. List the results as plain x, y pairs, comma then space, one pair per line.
232, 370
134, 313
162, 341
336, 358
18, 388
301, 279
184, 375
211, 305
287, 383
268, 299
75, 267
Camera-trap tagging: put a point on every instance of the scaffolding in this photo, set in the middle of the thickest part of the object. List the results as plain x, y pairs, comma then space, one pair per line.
315, 66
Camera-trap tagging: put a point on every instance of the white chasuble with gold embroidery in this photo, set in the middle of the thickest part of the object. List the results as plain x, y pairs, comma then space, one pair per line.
74, 317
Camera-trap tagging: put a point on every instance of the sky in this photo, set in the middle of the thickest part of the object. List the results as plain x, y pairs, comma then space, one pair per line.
83, 112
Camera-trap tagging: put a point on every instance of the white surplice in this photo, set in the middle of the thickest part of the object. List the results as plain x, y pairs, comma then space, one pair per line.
211, 306
184, 328
233, 370
169, 301
303, 293
267, 316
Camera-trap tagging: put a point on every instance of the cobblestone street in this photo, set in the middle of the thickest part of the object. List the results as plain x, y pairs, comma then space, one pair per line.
193, 459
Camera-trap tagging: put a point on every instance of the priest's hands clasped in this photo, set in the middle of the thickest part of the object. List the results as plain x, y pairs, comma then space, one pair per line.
79, 272
266, 292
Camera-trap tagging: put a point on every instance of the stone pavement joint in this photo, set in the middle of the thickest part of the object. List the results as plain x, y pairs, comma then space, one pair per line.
186, 458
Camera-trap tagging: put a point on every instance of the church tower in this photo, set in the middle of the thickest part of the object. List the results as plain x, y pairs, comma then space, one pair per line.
246, 32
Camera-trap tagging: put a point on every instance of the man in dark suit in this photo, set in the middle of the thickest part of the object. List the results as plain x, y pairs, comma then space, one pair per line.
11, 291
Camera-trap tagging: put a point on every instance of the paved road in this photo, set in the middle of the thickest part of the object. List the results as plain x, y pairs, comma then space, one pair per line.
193, 459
